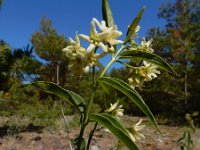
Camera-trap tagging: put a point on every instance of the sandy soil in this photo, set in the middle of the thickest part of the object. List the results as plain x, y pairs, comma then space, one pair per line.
49, 140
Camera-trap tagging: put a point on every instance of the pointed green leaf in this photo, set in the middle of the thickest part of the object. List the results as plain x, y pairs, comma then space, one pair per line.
115, 128
132, 94
71, 97
107, 14
150, 57
133, 26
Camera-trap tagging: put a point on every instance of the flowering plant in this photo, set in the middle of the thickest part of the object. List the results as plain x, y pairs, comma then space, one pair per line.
103, 40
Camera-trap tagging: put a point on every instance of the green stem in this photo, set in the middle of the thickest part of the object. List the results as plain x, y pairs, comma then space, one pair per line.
85, 122
92, 96
80, 138
106, 68
89, 107
114, 58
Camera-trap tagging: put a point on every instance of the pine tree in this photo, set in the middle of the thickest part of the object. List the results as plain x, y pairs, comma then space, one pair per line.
48, 45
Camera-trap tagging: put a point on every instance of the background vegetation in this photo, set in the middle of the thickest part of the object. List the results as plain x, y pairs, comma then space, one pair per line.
168, 97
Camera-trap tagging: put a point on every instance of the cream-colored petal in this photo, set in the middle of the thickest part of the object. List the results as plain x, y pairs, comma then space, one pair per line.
93, 28
103, 47
91, 48
77, 39
98, 24
71, 41
103, 23
103, 35
112, 107
119, 112
84, 37
86, 69
115, 42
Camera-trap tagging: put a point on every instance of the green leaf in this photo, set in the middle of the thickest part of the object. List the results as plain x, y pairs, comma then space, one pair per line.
125, 64
115, 128
132, 94
150, 57
107, 14
71, 97
133, 26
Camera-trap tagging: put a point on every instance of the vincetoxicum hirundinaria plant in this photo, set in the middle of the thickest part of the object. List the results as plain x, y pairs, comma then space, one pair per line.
103, 41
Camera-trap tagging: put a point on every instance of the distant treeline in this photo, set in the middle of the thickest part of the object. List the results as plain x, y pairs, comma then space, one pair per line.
168, 96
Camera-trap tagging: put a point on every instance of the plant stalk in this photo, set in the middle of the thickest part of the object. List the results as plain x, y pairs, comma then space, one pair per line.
91, 135
114, 58
85, 120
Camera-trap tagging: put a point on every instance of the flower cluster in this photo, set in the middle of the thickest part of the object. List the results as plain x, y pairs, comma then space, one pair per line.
117, 111
146, 45
147, 71
142, 74
105, 38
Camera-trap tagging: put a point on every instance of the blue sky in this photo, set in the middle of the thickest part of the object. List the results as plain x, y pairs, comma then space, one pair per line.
19, 19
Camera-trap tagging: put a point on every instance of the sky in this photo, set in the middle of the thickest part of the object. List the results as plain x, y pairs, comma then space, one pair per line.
19, 19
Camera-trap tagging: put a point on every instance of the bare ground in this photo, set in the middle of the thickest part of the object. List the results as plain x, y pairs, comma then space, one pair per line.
51, 140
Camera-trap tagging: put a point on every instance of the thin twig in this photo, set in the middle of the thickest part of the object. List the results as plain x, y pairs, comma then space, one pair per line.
91, 135
68, 128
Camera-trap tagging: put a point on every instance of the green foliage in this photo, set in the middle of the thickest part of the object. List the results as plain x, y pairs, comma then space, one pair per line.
16, 64
48, 45
89, 59
29, 102
186, 142
153, 58
5, 55
71, 97
178, 43
132, 94
1, 1
44, 109
41, 114
133, 26
115, 128
107, 14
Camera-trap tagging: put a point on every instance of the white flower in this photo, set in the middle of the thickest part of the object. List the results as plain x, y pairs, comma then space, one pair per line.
146, 45
148, 71
86, 69
95, 39
90, 60
133, 131
111, 38
115, 110
80, 58
142, 74
74, 50
105, 39
136, 81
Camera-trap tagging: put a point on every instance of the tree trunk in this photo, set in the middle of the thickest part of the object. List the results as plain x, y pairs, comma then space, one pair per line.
57, 74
